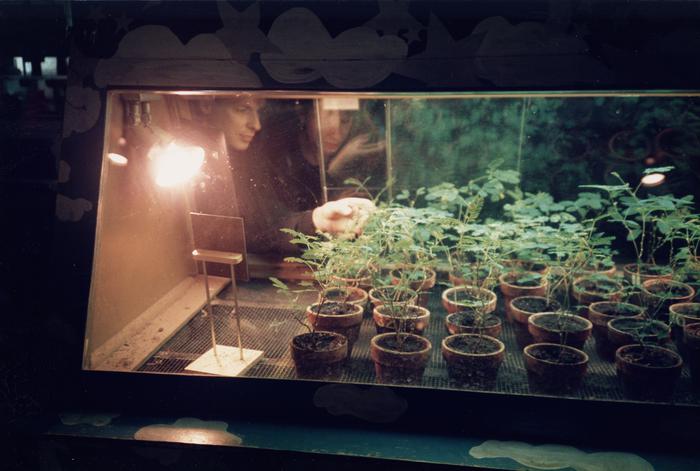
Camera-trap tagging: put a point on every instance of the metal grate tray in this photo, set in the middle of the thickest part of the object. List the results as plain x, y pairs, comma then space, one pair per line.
271, 329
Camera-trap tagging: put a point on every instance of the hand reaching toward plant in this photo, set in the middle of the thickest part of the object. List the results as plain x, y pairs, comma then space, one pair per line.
344, 216
359, 147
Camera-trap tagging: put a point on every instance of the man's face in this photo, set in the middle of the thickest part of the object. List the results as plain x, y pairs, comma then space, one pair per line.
239, 119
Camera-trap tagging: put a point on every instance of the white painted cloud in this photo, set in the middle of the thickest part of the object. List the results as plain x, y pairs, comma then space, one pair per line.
190, 430
356, 58
153, 55
560, 456
376, 404
82, 109
96, 420
68, 209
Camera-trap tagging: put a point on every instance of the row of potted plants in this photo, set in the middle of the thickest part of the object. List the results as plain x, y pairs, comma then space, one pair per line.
550, 259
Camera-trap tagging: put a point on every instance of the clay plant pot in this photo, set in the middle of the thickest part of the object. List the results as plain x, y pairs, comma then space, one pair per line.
407, 318
659, 295
400, 358
648, 372
513, 286
459, 298
471, 322
388, 295
341, 318
346, 294
606, 268
602, 312
630, 330
516, 264
461, 279
519, 311
679, 315
362, 282
472, 359
422, 286
590, 289
319, 355
568, 329
691, 343
647, 271
553, 368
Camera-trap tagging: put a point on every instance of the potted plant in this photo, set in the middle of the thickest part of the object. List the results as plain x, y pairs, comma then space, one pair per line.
679, 315
399, 357
691, 342
559, 327
593, 288
473, 359
658, 295
602, 312
554, 368
519, 310
629, 330
648, 371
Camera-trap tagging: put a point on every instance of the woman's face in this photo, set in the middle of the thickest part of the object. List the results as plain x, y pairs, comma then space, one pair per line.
239, 119
335, 127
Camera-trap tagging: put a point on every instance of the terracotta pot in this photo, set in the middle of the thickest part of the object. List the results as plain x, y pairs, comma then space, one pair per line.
344, 324
458, 280
540, 267
520, 316
473, 369
691, 342
319, 363
510, 290
377, 300
363, 282
573, 330
658, 306
587, 271
585, 296
599, 315
491, 324
484, 299
681, 314
643, 381
630, 271
394, 366
627, 331
384, 321
547, 373
422, 286
339, 294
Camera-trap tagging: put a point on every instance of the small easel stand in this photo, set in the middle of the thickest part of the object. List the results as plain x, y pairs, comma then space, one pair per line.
223, 360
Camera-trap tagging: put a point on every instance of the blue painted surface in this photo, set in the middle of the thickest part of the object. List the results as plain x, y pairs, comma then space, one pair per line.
355, 442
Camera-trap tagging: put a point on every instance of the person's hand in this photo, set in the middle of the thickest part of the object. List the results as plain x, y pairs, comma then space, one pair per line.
344, 216
356, 148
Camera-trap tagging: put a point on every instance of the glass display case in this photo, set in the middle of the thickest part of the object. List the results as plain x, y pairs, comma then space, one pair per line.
519, 244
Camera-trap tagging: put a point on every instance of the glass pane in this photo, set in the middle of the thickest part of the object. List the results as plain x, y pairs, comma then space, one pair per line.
497, 224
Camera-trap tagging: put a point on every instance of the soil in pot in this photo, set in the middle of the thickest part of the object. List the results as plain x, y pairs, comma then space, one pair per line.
587, 290
520, 309
554, 369
659, 295
648, 372
471, 322
319, 355
473, 360
567, 329
399, 359
460, 298
348, 294
600, 314
404, 318
631, 330
341, 318
679, 315
646, 271
691, 342
515, 284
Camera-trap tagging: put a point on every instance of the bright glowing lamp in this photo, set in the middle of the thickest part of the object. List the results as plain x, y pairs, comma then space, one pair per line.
117, 159
176, 164
653, 179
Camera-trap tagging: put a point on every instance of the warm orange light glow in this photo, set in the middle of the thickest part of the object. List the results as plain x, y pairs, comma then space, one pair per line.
175, 164
117, 159
653, 179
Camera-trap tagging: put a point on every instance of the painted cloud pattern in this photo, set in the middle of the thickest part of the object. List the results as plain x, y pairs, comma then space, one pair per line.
308, 52
376, 404
190, 430
153, 55
560, 456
